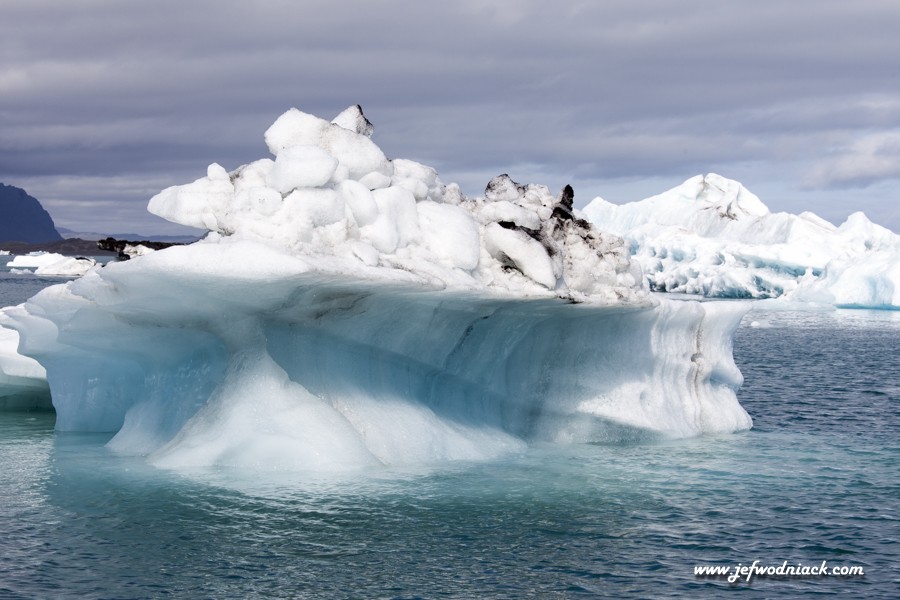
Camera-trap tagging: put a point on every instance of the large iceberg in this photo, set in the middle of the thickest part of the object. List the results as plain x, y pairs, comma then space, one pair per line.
348, 310
712, 236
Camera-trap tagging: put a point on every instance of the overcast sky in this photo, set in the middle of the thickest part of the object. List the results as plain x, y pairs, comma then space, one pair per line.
105, 102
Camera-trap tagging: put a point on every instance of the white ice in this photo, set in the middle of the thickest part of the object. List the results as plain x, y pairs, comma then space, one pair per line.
331, 194
712, 236
52, 264
347, 311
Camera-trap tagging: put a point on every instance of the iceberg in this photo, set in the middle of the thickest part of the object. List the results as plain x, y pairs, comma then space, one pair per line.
51, 264
347, 310
711, 236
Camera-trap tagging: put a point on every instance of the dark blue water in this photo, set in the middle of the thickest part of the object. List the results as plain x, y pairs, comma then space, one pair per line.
818, 478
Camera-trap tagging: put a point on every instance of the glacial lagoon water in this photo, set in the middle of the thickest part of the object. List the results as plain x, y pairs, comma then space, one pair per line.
816, 479
16, 288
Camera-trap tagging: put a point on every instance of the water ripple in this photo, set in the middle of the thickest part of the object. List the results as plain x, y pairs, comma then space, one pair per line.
817, 479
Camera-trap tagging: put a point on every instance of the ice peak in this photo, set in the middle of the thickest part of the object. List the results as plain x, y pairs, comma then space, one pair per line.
353, 149
352, 118
858, 230
858, 220
730, 197
501, 188
566, 197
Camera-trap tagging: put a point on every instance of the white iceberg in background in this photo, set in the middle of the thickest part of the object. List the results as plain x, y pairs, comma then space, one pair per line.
711, 236
133, 250
868, 278
347, 310
4, 252
33, 259
52, 264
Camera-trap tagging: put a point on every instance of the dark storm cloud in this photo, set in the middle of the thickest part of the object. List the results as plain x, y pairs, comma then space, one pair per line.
98, 91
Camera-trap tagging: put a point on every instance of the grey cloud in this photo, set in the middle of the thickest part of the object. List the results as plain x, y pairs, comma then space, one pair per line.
867, 160
592, 90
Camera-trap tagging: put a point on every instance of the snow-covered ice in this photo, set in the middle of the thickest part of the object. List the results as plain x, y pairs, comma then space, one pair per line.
331, 195
348, 310
52, 264
712, 236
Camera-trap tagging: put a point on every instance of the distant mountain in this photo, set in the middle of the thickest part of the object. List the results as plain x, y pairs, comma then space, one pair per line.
23, 219
92, 235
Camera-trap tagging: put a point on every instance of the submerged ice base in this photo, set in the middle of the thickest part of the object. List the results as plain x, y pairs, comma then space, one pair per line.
290, 368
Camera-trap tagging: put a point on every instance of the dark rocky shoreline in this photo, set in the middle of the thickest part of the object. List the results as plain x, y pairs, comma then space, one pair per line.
67, 247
